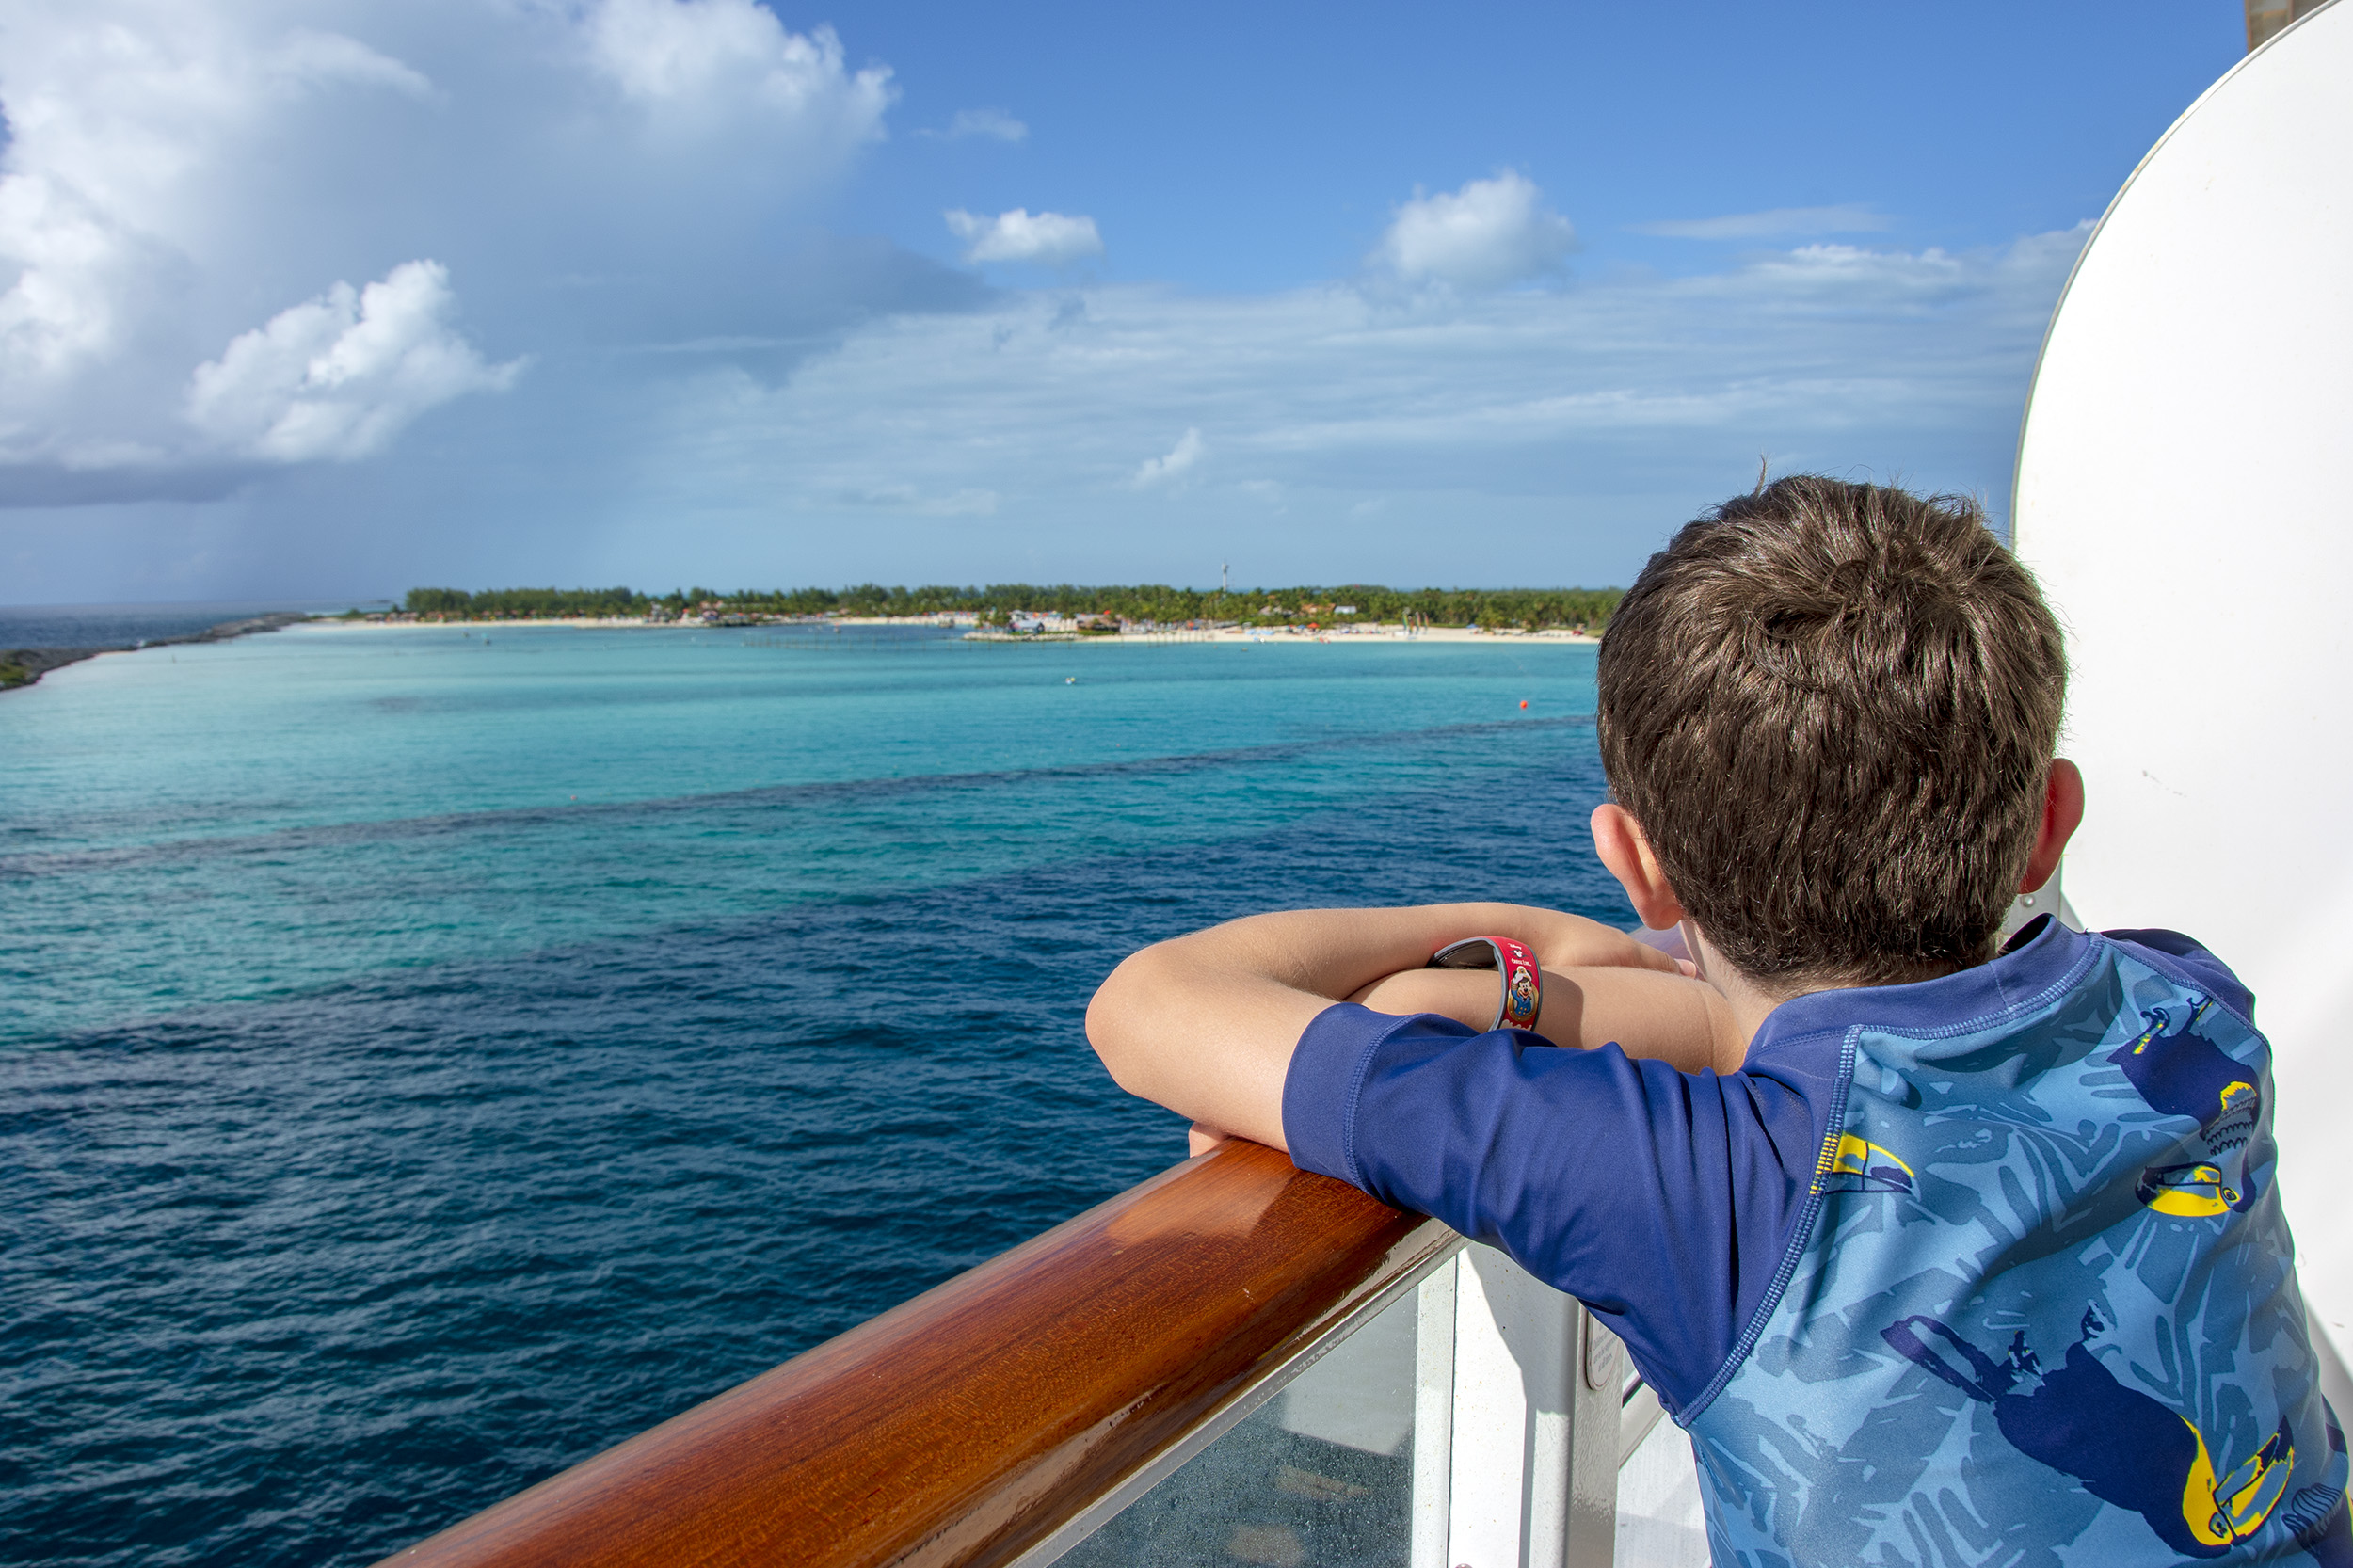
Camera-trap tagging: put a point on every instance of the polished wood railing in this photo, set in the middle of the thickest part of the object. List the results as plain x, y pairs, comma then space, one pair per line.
977, 1420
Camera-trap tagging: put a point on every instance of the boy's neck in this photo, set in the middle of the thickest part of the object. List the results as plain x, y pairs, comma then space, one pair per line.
1752, 1001
1749, 1002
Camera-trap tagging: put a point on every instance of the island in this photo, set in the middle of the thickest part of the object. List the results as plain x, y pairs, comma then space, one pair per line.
1026, 608
22, 666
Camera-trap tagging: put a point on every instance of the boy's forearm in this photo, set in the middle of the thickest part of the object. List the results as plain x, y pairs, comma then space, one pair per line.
1670, 1018
1206, 1024
1336, 952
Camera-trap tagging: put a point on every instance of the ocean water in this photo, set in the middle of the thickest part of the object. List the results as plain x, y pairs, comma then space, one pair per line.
427, 1058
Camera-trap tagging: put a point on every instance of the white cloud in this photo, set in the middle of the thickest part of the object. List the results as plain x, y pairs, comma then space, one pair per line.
1162, 471
338, 378
112, 124
993, 124
69, 257
686, 52
1489, 233
1574, 424
1778, 223
1050, 239
610, 169
908, 499
328, 58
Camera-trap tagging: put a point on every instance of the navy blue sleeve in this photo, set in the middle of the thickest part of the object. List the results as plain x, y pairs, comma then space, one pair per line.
1663, 1200
2170, 952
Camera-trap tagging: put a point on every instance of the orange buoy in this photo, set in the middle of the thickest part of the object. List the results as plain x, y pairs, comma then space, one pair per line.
1523, 702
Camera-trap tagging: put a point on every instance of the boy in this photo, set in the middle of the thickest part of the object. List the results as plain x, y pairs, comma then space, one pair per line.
1940, 1253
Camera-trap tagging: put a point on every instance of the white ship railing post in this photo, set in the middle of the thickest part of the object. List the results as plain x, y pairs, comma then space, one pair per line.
1434, 1414
1599, 1440
1533, 1421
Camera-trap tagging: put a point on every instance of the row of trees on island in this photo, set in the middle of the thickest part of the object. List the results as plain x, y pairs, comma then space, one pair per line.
1145, 603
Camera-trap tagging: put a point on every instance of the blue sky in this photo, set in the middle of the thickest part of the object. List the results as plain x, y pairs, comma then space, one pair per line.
345, 297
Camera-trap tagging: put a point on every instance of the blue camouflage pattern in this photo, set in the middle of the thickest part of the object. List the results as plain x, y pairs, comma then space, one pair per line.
2043, 1310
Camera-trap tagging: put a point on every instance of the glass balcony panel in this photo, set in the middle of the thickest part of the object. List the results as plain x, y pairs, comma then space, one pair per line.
1320, 1476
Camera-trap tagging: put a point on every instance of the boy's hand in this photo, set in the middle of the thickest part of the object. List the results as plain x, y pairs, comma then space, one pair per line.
1201, 1138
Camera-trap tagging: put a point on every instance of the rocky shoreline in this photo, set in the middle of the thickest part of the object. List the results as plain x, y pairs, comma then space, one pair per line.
22, 666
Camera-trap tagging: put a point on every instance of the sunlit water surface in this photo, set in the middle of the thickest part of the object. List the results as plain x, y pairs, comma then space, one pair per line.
429, 1057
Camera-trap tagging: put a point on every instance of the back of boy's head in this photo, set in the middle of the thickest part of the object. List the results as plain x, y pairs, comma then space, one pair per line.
1833, 707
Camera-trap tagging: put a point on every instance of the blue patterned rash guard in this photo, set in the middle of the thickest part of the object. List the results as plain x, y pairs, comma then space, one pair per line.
1986, 1269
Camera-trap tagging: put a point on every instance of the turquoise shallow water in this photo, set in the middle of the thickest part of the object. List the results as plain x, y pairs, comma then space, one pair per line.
429, 1057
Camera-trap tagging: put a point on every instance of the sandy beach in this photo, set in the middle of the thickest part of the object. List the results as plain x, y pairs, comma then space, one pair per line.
1245, 637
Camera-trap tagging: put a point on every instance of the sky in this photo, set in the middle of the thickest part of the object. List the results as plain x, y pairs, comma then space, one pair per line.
342, 297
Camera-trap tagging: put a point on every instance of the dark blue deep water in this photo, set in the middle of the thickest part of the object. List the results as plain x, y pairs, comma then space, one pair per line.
424, 1063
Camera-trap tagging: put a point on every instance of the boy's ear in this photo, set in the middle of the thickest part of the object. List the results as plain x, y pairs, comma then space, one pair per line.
2062, 813
1624, 849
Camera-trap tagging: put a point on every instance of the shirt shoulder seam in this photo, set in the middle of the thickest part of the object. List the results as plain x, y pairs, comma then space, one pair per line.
1800, 1237
2164, 964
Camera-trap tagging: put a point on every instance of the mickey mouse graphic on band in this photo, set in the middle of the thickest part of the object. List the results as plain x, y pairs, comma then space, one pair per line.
1520, 994
2126, 1448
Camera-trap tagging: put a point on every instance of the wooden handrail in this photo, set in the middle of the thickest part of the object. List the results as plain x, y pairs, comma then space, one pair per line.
970, 1423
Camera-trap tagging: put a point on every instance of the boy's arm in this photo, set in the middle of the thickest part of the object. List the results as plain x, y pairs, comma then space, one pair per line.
1206, 1024
1665, 1018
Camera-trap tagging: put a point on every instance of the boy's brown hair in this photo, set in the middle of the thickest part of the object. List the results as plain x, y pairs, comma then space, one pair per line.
1833, 707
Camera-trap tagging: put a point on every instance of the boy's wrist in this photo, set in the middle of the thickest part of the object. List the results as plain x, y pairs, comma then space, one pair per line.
1515, 962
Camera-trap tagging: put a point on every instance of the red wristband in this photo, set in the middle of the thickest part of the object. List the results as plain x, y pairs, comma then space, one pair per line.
1523, 977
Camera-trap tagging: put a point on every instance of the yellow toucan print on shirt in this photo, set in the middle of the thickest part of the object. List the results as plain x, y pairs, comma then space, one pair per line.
1853, 1165
2220, 1512
2187, 1191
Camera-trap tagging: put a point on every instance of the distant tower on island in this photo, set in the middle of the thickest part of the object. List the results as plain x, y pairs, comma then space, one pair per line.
1223, 586
2266, 17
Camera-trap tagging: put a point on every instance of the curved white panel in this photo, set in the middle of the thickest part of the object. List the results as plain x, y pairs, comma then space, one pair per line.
2186, 494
